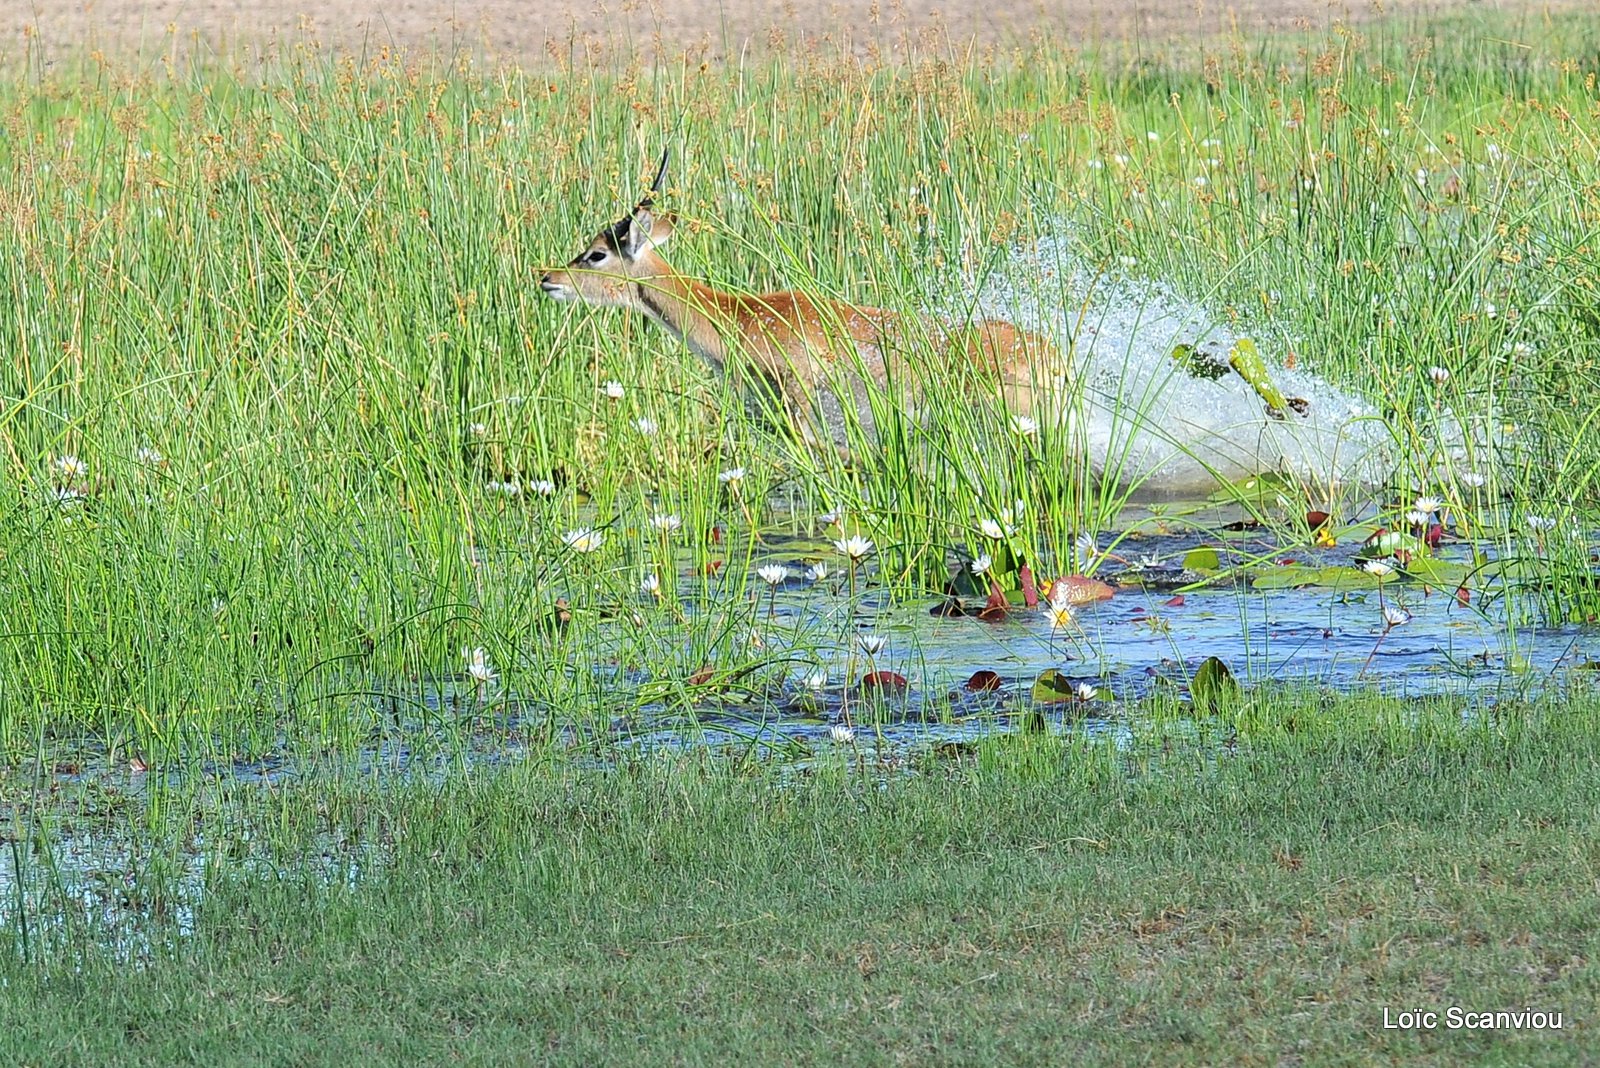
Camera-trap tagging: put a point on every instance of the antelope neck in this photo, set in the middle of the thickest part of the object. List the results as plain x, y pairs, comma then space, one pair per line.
685, 308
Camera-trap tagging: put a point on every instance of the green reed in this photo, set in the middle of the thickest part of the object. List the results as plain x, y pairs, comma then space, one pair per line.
285, 317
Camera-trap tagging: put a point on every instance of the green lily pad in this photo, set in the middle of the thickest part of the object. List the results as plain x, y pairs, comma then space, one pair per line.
1333, 577
1246, 360
1198, 364
1390, 542
1436, 572
1203, 558
1213, 687
1266, 487
1052, 687
1287, 577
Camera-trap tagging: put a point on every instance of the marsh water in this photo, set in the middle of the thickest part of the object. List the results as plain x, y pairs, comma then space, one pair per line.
832, 664
948, 673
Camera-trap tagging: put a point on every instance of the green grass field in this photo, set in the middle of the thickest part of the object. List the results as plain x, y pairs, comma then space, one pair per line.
288, 436
1041, 901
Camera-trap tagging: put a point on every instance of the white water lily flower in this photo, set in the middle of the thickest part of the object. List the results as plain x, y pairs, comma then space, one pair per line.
478, 430
991, 529
871, 644
855, 547
147, 455
817, 571
479, 669
1084, 692
817, 680
1379, 568
1429, 505
1472, 480
667, 524
981, 563
1024, 426
645, 426
543, 487
828, 519
65, 495
1084, 547
1539, 522
612, 389
772, 574
1440, 375
1059, 614
651, 584
70, 469
731, 477
841, 733
1395, 616
584, 539
1417, 518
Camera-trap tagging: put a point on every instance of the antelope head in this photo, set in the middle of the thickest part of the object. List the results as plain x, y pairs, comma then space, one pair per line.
607, 273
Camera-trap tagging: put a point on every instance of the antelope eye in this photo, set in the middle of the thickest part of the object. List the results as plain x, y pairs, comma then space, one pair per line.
597, 256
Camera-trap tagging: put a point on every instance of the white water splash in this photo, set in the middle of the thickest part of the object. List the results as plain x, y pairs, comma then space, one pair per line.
1149, 422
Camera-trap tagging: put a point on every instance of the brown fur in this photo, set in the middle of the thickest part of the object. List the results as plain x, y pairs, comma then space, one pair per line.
791, 341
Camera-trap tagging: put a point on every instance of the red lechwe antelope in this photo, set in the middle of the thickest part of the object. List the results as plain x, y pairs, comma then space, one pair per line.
803, 350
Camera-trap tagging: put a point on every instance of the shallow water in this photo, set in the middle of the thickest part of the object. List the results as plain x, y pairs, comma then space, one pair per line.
1146, 638
97, 875
110, 885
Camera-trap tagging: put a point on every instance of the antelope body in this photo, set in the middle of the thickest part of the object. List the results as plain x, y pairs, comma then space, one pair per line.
815, 356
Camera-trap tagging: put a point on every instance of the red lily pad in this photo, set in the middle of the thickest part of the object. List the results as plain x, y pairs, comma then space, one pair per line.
1175, 601
1030, 592
983, 681
995, 610
1079, 590
884, 682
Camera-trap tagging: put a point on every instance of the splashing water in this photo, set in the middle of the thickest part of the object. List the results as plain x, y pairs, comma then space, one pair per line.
1150, 422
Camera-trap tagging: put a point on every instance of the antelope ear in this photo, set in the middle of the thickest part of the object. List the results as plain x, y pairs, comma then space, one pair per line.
646, 230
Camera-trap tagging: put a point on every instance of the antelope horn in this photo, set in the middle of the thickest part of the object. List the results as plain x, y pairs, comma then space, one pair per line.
655, 186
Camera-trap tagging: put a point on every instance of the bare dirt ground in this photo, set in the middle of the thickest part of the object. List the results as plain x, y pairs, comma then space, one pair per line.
525, 28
